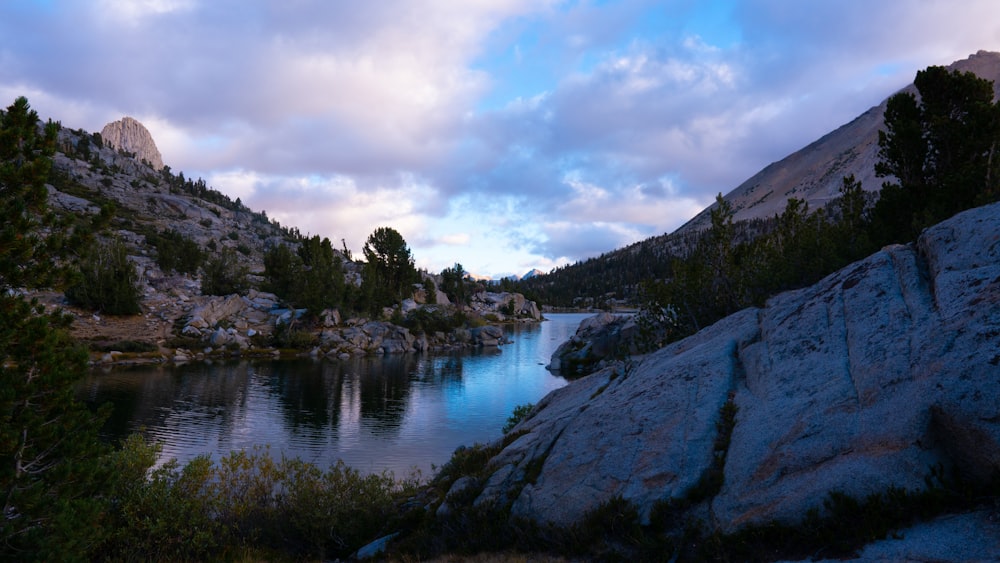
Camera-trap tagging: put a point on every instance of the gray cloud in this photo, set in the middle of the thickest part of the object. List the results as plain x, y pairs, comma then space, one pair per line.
614, 128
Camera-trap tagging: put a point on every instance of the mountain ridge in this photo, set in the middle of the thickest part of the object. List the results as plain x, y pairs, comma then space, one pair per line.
814, 172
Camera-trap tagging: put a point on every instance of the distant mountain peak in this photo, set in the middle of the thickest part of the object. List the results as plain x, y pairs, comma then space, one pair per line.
128, 134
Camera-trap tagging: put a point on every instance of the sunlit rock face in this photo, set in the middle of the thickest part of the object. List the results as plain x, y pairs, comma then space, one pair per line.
132, 136
867, 380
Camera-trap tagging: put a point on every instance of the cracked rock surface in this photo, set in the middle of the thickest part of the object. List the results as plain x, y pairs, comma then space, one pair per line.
867, 380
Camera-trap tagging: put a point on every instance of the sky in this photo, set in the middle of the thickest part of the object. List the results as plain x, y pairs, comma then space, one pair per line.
504, 135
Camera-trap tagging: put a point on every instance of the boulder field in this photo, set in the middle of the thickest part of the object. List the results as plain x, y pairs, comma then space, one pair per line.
881, 375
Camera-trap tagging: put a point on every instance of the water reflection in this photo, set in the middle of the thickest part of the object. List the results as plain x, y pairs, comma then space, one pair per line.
393, 412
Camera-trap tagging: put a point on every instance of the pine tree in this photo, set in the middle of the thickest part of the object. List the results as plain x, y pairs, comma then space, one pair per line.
50, 458
321, 283
937, 152
389, 270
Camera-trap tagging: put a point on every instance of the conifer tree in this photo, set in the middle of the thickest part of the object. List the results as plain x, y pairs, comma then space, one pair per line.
108, 281
938, 152
389, 269
321, 284
50, 468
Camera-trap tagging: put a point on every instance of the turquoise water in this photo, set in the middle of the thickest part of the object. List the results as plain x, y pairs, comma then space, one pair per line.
394, 413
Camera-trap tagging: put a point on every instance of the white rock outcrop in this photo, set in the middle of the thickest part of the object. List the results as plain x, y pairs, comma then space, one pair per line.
130, 135
867, 380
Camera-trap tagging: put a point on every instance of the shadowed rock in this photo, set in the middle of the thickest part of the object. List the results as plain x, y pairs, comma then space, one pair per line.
865, 381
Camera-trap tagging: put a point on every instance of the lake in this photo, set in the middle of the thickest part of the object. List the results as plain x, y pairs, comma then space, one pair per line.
397, 413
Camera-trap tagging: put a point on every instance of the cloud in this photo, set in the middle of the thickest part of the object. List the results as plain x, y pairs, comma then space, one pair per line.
337, 207
455, 239
132, 12
523, 131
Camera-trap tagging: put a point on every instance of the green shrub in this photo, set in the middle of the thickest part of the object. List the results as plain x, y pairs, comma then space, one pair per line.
170, 517
295, 339
127, 346
250, 500
108, 282
224, 275
520, 413
471, 460
427, 320
176, 252
333, 513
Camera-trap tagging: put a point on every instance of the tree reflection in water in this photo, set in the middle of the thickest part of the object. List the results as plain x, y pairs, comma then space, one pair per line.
375, 413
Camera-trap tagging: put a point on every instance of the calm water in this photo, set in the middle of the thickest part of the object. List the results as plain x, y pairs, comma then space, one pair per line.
393, 412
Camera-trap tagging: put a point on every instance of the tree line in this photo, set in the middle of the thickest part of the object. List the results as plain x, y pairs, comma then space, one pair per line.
937, 155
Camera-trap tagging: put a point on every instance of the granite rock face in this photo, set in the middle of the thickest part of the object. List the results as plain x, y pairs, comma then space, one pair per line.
130, 135
865, 381
597, 340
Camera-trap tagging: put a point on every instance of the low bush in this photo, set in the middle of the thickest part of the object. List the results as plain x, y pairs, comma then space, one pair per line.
428, 320
520, 413
224, 275
249, 500
176, 252
108, 282
126, 346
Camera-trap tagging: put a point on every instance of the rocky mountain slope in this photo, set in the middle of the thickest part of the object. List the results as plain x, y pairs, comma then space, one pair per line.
814, 173
884, 375
121, 167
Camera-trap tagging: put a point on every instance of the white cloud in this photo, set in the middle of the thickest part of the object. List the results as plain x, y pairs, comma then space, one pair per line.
132, 11
455, 239
340, 117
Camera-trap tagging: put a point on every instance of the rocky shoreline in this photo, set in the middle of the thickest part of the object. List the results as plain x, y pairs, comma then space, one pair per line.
178, 328
878, 384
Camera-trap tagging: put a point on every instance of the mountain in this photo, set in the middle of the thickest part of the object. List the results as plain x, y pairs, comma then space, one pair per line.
129, 135
89, 173
533, 273
814, 173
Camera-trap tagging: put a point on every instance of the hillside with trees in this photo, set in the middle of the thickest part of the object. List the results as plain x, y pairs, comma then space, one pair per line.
165, 251
812, 176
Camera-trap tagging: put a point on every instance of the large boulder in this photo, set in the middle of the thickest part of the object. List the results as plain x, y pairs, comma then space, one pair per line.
218, 309
645, 434
866, 381
601, 337
504, 304
214, 319
487, 336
